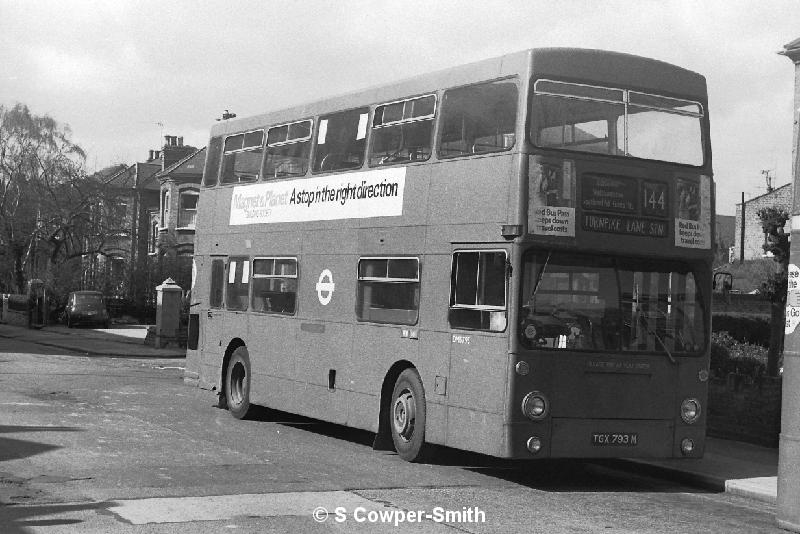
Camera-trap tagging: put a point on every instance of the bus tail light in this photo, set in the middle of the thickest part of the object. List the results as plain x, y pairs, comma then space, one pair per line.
690, 410
687, 446
534, 444
535, 405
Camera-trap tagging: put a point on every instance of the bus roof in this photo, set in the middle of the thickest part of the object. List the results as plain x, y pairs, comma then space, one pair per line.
574, 64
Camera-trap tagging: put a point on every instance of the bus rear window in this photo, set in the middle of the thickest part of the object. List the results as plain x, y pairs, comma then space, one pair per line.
618, 122
589, 302
478, 119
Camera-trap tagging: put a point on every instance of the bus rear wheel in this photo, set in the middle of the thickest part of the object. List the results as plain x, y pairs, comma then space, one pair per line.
407, 416
237, 383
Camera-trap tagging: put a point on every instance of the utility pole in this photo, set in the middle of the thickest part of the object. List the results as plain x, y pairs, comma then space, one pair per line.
742, 226
787, 511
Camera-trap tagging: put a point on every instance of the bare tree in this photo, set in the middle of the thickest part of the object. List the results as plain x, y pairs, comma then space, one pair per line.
51, 211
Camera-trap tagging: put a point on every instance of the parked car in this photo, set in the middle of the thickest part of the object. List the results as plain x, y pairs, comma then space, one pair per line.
86, 307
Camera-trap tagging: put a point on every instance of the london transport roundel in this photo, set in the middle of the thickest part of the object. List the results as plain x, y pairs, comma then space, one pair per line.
325, 287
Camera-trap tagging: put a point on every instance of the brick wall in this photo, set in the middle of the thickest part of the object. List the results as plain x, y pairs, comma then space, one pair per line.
746, 409
753, 233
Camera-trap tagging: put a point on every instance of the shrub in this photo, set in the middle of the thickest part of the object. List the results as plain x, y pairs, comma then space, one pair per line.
729, 355
751, 329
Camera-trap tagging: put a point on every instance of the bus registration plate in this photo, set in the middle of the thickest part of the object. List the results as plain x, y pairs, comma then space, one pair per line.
615, 439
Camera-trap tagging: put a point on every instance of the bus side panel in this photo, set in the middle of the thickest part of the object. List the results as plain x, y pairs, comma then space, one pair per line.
477, 392
375, 349
269, 342
433, 367
324, 341
460, 195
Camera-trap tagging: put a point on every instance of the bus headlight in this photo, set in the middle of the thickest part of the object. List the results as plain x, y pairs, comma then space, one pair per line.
534, 405
534, 444
687, 446
690, 410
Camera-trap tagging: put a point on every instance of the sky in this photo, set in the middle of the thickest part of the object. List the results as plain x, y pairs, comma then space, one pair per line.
123, 74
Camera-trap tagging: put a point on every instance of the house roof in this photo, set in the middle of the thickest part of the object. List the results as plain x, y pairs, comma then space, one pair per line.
189, 167
138, 175
770, 193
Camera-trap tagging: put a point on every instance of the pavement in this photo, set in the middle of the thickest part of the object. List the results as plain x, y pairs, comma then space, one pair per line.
119, 341
730, 466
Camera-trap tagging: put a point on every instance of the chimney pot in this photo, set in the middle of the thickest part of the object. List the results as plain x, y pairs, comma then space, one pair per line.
150, 158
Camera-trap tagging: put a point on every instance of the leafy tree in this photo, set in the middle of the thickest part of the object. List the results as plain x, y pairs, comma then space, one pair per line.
776, 243
51, 212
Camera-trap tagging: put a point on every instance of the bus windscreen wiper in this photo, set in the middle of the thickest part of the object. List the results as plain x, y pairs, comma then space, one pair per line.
653, 333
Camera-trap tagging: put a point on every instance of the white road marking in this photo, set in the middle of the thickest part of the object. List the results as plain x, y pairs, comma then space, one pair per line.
226, 507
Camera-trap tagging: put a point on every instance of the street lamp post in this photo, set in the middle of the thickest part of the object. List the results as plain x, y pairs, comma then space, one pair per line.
788, 511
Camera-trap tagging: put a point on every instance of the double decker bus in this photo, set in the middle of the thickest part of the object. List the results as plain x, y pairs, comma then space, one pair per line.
511, 257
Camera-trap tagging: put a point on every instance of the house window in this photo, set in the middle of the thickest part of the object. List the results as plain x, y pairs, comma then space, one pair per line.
388, 290
188, 209
165, 196
274, 285
152, 245
478, 290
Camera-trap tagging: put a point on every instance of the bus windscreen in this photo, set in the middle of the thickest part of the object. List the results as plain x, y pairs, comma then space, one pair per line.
580, 301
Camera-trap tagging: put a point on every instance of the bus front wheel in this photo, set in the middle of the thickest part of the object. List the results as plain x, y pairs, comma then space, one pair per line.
407, 416
237, 383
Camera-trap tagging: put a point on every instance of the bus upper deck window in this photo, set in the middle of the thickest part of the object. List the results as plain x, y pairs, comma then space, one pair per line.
341, 140
241, 159
478, 119
618, 122
211, 168
401, 131
288, 149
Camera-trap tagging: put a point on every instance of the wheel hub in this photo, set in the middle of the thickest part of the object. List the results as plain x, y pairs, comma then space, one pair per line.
404, 415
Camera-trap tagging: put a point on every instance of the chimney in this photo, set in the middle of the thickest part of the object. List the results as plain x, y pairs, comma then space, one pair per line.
151, 157
180, 141
156, 154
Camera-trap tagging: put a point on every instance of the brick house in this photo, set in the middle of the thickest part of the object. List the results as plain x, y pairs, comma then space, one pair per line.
172, 226
126, 267
781, 198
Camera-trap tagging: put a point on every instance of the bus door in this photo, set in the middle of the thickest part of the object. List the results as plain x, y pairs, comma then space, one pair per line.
478, 349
